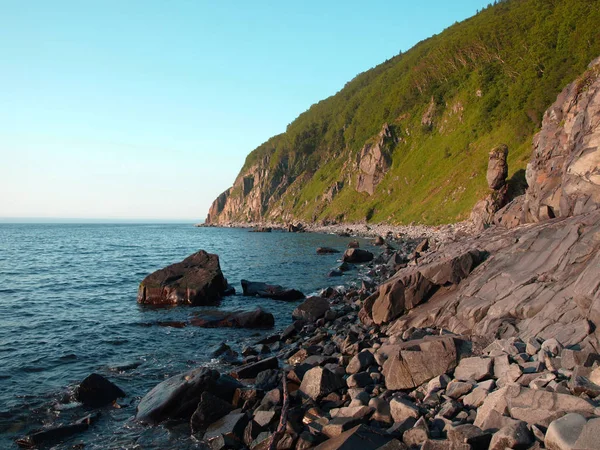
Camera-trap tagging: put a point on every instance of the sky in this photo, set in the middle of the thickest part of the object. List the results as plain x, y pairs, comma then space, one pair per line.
146, 109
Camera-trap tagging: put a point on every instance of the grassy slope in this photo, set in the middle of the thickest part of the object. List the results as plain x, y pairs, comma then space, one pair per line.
517, 55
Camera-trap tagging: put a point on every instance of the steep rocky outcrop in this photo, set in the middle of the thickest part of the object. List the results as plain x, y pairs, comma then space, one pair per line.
483, 212
564, 172
374, 161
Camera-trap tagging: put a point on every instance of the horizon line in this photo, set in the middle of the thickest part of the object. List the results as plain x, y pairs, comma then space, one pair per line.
42, 219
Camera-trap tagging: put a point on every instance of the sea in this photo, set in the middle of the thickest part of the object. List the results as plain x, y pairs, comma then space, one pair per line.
68, 309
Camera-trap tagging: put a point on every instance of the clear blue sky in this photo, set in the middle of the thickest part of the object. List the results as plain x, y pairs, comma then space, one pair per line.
147, 109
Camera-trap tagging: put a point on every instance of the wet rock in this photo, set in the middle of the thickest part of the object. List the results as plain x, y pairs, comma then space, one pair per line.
197, 280
356, 255
236, 319
318, 382
178, 396
326, 250
272, 291
56, 434
312, 309
96, 391
253, 369
475, 368
210, 409
515, 435
378, 241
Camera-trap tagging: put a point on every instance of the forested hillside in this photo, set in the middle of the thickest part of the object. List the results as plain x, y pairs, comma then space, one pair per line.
409, 139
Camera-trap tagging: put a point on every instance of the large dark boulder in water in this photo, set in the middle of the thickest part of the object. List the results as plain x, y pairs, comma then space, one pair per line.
276, 292
178, 396
96, 391
356, 255
312, 309
197, 280
235, 319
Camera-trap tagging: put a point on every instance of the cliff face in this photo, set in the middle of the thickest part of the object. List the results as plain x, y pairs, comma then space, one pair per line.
563, 175
409, 139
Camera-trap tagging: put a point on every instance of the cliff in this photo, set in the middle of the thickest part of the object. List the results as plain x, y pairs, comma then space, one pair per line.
408, 140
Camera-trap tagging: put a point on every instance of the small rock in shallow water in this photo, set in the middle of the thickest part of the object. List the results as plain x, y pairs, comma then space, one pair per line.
96, 391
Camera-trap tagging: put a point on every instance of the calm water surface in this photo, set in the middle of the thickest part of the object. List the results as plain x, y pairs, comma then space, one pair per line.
68, 308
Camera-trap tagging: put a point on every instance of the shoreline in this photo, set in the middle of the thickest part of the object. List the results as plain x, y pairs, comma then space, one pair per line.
439, 233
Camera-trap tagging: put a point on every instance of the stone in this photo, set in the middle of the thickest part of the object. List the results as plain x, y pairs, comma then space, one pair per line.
55, 435
178, 396
475, 368
469, 434
318, 382
515, 435
257, 318
438, 383
267, 379
96, 391
359, 380
357, 255
581, 385
443, 444
416, 435
360, 362
272, 291
230, 428
197, 280
360, 437
401, 409
251, 370
210, 409
416, 362
476, 397
378, 241
588, 439
264, 418
326, 250
562, 434
312, 309
497, 167
457, 389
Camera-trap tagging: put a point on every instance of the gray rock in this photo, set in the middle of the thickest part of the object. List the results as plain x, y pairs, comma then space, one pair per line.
401, 409
360, 437
312, 309
357, 255
588, 439
416, 435
360, 362
562, 434
515, 435
229, 428
210, 409
318, 382
253, 369
475, 368
469, 434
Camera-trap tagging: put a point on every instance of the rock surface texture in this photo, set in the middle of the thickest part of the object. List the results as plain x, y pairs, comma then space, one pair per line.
197, 280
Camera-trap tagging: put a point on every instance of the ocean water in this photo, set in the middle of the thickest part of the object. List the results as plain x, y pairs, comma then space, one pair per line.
68, 308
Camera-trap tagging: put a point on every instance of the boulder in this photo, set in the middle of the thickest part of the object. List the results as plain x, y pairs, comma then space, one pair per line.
251, 370
96, 391
562, 434
312, 309
318, 382
401, 409
229, 429
197, 280
360, 362
416, 362
357, 255
56, 435
234, 319
475, 368
273, 291
178, 396
210, 409
360, 437
326, 250
515, 435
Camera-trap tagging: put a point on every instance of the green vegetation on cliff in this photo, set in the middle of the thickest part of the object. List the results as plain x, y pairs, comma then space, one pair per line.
448, 101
